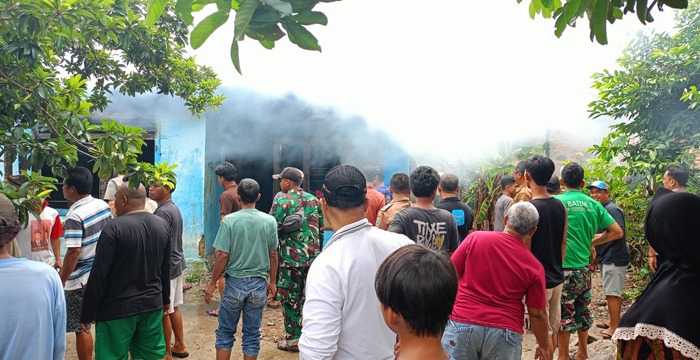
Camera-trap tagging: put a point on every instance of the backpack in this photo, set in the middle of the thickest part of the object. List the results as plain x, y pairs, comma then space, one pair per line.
292, 222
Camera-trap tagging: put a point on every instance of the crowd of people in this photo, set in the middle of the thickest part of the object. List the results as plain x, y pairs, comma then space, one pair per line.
402, 276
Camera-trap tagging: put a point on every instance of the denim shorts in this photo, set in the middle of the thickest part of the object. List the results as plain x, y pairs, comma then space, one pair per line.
465, 341
248, 297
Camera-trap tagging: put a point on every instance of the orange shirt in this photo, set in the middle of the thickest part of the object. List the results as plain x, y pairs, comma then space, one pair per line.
376, 202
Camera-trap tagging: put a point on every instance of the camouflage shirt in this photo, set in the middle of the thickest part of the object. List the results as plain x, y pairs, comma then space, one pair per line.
299, 248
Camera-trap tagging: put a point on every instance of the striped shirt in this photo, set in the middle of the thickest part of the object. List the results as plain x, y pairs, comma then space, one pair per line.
84, 223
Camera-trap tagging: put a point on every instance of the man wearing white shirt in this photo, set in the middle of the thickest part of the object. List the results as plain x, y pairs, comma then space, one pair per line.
342, 317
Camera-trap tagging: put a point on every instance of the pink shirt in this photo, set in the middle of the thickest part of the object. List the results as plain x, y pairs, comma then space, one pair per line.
495, 272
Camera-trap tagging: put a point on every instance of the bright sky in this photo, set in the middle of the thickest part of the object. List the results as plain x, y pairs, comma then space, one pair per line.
470, 73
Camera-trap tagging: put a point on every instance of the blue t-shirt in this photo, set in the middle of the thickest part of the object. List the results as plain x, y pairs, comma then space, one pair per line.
33, 311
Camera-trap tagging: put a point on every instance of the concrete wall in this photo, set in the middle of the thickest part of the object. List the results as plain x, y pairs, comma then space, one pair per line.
181, 141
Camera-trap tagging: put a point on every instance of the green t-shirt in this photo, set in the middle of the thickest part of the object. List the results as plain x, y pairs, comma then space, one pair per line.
247, 236
585, 217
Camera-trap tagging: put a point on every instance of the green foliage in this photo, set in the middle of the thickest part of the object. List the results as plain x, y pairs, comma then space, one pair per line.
655, 94
261, 20
193, 278
61, 59
485, 187
598, 13
147, 174
28, 197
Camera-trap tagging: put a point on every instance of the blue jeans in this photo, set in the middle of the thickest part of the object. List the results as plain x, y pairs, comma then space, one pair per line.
465, 341
248, 295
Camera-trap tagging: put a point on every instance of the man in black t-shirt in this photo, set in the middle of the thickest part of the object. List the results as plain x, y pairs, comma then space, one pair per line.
424, 223
172, 322
128, 290
461, 212
549, 241
613, 258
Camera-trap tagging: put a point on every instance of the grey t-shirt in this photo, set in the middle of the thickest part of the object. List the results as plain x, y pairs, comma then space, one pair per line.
434, 228
169, 212
499, 212
112, 187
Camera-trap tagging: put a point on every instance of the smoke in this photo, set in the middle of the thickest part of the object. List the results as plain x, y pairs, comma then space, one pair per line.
251, 125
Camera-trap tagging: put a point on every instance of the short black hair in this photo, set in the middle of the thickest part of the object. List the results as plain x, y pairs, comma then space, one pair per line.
540, 169
248, 190
424, 181
226, 170
507, 180
420, 285
79, 178
520, 167
678, 173
572, 175
553, 186
400, 183
449, 182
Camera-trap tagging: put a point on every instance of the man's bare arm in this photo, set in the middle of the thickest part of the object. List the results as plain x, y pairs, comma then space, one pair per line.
69, 262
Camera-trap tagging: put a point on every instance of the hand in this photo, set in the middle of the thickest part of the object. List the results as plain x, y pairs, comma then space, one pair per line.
57, 265
207, 293
271, 291
541, 353
166, 310
652, 263
85, 327
594, 259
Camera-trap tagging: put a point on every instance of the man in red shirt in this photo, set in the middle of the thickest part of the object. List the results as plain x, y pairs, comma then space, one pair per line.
375, 198
496, 270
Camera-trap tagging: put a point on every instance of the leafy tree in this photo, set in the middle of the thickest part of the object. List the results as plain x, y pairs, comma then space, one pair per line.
655, 94
598, 13
485, 186
267, 21
61, 59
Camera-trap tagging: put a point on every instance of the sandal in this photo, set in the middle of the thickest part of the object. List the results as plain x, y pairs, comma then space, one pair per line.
291, 348
274, 304
602, 325
180, 355
605, 335
214, 313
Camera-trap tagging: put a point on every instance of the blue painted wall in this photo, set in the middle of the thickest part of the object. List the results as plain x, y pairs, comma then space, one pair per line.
395, 159
181, 141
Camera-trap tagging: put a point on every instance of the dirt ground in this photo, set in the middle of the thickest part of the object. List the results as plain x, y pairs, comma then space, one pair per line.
199, 328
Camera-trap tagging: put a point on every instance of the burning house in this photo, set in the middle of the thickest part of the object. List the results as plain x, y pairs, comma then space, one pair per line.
260, 135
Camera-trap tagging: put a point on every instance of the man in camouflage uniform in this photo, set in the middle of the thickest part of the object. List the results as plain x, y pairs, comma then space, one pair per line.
297, 250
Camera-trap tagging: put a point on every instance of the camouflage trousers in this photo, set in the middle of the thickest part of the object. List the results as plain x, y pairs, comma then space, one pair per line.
290, 289
575, 298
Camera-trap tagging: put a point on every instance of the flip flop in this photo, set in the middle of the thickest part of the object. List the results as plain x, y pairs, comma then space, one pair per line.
291, 348
602, 325
186, 286
180, 355
605, 335
213, 313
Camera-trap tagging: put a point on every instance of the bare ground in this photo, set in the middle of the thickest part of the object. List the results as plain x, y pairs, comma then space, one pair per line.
200, 337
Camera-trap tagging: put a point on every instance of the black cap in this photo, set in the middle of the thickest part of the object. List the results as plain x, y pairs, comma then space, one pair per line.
290, 173
344, 182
